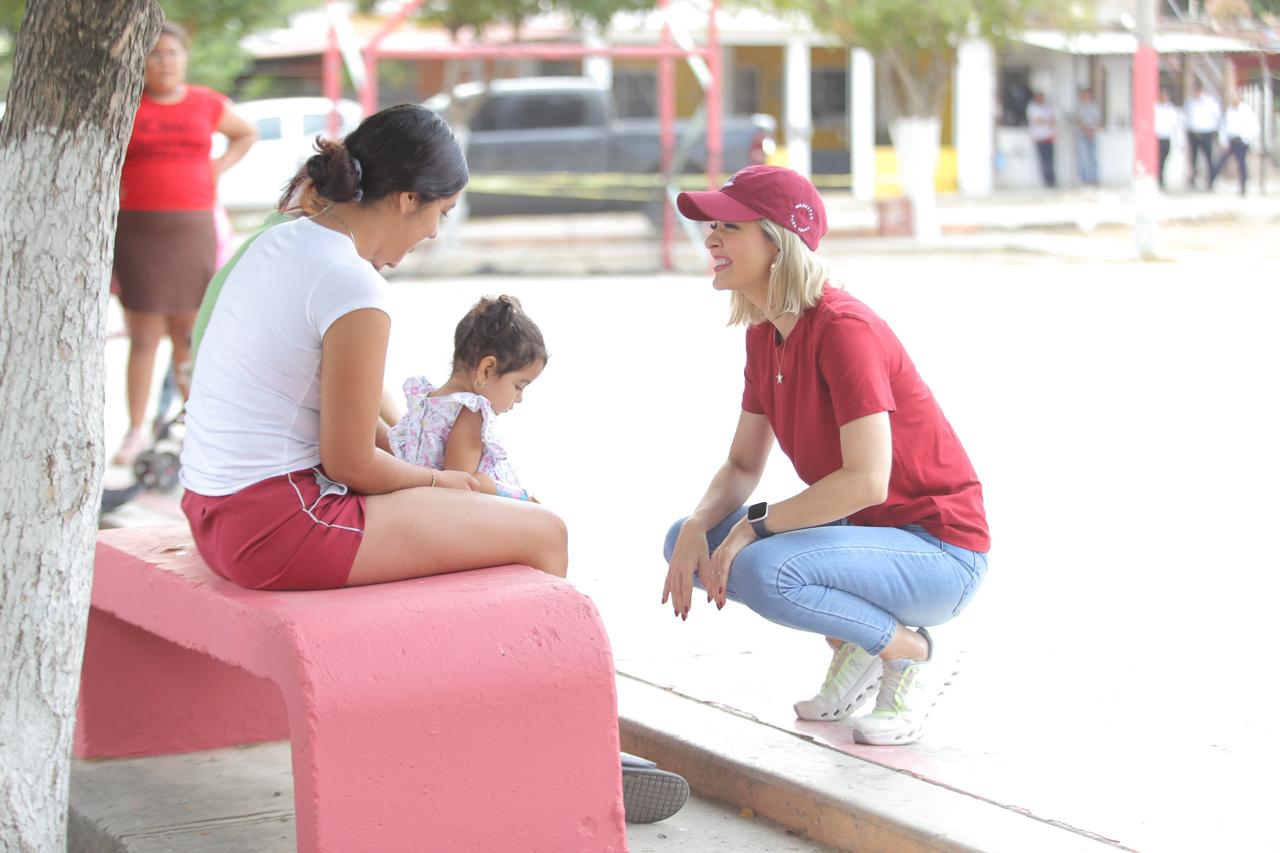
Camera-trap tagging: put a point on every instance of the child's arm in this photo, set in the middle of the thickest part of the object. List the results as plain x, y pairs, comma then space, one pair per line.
462, 452
464, 446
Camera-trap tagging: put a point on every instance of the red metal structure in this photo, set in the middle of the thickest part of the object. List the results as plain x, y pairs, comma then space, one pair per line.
664, 53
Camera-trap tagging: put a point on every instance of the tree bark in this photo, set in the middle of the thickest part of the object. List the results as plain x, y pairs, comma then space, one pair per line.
77, 77
915, 141
918, 83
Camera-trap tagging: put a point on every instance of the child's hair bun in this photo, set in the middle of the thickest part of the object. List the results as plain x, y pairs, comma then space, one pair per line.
497, 326
496, 316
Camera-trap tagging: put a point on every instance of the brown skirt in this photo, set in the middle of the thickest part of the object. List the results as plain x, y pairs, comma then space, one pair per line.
164, 259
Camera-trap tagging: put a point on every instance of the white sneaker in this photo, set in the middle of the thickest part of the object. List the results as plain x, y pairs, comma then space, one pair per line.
908, 692
852, 679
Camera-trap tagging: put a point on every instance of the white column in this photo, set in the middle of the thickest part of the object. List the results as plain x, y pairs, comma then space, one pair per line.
975, 104
862, 123
798, 118
1268, 127
1063, 99
728, 91
598, 69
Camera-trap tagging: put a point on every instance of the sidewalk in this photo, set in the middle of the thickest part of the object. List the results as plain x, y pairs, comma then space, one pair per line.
1092, 710
1090, 224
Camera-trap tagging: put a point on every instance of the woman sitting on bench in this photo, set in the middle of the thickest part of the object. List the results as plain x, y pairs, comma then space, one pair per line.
289, 482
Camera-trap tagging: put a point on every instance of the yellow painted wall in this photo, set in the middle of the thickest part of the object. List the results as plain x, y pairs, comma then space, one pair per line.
830, 138
768, 62
888, 179
689, 94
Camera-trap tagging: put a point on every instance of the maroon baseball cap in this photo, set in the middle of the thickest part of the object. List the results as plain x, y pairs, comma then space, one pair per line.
762, 192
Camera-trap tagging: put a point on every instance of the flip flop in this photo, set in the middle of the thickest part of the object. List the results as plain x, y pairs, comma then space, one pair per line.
650, 795
629, 760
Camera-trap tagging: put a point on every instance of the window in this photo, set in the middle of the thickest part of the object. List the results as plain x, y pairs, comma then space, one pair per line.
829, 95
746, 91
268, 128
1015, 94
635, 93
313, 125
560, 68
534, 112
489, 117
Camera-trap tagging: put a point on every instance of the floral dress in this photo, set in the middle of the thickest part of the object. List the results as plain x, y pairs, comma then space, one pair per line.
421, 435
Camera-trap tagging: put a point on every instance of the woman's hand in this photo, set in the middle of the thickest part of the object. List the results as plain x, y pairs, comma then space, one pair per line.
717, 580
689, 555
456, 480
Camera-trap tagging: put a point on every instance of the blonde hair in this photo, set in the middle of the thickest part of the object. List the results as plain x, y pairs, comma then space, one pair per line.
796, 278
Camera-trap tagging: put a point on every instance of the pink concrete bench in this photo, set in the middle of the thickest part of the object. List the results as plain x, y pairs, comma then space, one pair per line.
466, 712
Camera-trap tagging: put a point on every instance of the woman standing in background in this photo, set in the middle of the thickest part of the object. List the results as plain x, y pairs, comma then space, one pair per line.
165, 239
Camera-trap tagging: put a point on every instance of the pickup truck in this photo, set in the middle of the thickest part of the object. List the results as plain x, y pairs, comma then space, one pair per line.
554, 145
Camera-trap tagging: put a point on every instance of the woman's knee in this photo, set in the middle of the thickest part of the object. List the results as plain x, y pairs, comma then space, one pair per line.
551, 544
755, 582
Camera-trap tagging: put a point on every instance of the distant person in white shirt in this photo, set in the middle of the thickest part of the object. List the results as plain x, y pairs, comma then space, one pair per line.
1088, 121
1203, 116
1168, 118
1043, 123
1239, 130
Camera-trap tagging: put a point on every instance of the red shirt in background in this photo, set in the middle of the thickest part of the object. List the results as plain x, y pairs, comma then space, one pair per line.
166, 166
841, 363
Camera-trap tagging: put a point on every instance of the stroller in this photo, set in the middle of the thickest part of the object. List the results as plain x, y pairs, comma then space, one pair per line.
155, 468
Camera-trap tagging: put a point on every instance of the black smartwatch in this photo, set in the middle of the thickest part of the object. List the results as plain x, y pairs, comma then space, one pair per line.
756, 514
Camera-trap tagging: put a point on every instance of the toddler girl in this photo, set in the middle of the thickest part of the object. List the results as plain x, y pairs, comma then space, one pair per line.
497, 352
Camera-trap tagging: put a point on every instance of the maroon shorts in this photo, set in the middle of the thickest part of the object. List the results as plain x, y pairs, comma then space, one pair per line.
289, 532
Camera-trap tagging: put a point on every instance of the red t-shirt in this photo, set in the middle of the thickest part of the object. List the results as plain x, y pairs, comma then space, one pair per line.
166, 166
841, 363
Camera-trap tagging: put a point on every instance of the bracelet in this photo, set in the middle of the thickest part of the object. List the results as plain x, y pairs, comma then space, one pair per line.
433, 478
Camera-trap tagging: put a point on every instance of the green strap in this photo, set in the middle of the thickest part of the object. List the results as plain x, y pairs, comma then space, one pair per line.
212, 292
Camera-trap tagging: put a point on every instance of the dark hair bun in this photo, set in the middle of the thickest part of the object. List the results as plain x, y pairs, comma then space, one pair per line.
406, 148
498, 326
333, 172
496, 316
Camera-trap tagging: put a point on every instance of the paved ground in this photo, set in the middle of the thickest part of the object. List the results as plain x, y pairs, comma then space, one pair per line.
241, 799
1122, 418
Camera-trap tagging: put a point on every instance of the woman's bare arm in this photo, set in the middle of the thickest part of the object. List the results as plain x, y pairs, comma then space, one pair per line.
465, 446
351, 371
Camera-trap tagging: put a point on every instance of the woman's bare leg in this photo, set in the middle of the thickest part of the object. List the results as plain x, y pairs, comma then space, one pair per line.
419, 532
180, 328
906, 644
145, 332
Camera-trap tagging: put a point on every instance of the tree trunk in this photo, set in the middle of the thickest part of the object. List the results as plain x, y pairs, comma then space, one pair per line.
77, 77
915, 141
918, 82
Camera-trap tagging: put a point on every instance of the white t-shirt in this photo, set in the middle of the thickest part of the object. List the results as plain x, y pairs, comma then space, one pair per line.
1203, 113
1041, 121
254, 411
1167, 119
1240, 123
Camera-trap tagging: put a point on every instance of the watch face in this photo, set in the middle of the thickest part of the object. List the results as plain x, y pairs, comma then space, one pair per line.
756, 512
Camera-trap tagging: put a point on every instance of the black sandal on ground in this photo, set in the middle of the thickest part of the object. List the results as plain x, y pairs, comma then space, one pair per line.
649, 794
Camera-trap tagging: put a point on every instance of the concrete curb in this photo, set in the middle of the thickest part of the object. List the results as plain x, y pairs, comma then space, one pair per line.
824, 794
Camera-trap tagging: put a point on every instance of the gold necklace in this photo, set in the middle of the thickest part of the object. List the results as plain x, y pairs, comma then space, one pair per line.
779, 352
328, 211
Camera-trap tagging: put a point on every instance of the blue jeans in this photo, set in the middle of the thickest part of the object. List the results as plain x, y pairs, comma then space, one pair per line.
1087, 150
849, 582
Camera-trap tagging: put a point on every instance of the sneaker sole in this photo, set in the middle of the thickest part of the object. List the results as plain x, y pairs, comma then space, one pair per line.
850, 706
905, 736
649, 795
